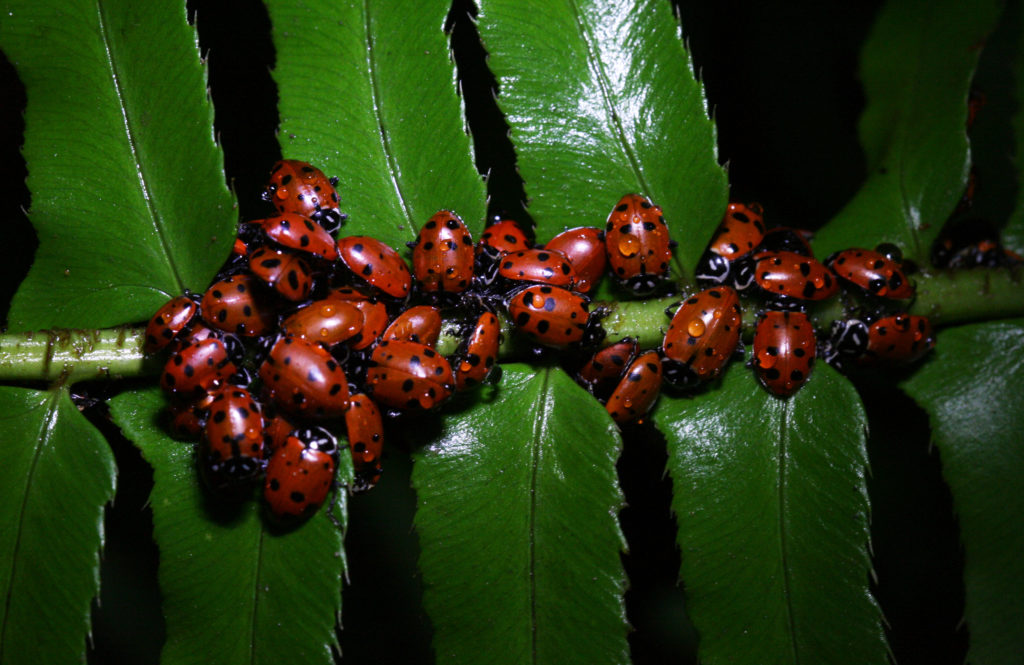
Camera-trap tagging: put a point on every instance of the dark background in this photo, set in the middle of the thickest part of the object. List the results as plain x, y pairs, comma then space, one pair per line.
782, 84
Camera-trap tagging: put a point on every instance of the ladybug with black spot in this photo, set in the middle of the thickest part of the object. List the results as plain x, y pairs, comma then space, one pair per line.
408, 376
703, 335
638, 245
554, 317
239, 305
443, 254
170, 321
584, 249
784, 351
365, 427
376, 264
297, 233
788, 278
872, 272
303, 379
300, 475
476, 360
299, 187
602, 371
727, 261
638, 389
231, 452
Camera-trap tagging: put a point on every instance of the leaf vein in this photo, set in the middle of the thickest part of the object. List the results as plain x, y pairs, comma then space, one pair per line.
787, 583
130, 135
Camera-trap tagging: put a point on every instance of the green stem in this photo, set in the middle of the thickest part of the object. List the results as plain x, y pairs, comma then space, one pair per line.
947, 298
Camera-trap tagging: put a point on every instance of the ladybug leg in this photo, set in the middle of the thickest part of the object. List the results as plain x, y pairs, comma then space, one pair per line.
331, 503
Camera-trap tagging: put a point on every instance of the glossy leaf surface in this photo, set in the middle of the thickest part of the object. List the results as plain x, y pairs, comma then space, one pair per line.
368, 94
972, 391
916, 67
234, 589
128, 192
772, 506
602, 101
517, 527
58, 474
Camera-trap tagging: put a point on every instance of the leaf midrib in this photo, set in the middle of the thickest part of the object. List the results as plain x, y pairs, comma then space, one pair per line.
787, 583
130, 135
45, 433
385, 140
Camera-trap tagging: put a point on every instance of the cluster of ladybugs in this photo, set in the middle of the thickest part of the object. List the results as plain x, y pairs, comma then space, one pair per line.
342, 330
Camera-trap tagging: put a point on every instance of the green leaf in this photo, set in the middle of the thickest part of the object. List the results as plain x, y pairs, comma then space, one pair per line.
772, 506
517, 526
602, 100
57, 475
1005, 93
973, 392
916, 67
369, 94
128, 192
234, 589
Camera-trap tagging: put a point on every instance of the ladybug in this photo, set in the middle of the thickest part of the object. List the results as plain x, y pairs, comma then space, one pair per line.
477, 358
552, 316
727, 258
505, 235
741, 230
443, 254
898, 340
543, 266
169, 322
329, 321
871, 271
703, 335
236, 305
231, 452
784, 351
299, 233
197, 369
601, 373
303, 379
417, 324
376, 263
847, 340
785, 239
787, 275
584, 249
188, 418
276, 428
408, 375
638, 245
300, 474
301, 188
637, 390
365, 428
375, 316
286, 273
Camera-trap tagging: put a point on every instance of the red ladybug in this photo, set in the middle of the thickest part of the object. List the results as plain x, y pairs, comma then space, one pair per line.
543, 266
788, 275
375, 322
197, 369
551, 315
417, 324
286, 273
896, 340
299, 233
785, 239
584, 249
637, 390
741, 230
784, 351
638, 245
408, 375
170, 320
505, 235
303, 379
276, 428
300, 474
376, 263
237, 305
188, 417
702, 337
601, 373
873, 272
299, 187
477, 358
329, 321
365, 428
442, 256
231, 452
